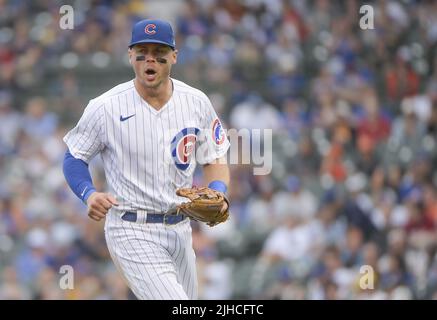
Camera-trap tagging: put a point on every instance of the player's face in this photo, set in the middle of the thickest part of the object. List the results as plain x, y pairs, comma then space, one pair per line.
152, 63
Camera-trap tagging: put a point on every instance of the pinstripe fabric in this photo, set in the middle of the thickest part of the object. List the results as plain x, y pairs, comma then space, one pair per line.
135, 142
157, 261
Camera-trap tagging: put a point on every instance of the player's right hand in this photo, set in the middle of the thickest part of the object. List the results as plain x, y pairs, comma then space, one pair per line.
98, 205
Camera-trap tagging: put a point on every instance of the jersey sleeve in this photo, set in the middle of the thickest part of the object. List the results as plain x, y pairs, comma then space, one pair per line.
213, 142
85, 139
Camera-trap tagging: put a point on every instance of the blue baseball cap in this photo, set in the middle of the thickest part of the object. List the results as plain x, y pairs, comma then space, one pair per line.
153, 31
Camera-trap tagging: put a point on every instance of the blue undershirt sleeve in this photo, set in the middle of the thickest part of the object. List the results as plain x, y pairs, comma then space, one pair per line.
78, 176
218, 185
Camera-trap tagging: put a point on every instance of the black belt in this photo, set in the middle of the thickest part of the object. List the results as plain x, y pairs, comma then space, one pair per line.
155, 217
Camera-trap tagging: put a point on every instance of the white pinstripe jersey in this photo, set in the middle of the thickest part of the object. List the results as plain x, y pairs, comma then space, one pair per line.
148, 154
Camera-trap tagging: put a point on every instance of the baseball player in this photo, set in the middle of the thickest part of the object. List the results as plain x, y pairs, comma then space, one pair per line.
148, 131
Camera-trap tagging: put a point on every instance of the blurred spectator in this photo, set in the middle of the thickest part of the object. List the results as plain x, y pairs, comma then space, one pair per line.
10, 124
38, 123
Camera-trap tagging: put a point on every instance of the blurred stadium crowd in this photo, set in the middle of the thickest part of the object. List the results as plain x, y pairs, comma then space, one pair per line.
354, 117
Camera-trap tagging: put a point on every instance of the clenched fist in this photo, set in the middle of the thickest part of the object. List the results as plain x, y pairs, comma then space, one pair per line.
98, 205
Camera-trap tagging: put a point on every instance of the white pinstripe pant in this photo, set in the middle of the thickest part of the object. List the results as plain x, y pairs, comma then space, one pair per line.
156, 260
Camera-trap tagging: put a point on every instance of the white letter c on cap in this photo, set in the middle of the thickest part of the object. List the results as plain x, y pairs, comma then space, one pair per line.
150, 28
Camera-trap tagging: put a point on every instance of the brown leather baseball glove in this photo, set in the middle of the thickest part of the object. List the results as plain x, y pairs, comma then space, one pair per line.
206, 205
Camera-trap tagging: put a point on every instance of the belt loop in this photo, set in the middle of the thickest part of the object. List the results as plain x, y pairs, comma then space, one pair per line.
141, 216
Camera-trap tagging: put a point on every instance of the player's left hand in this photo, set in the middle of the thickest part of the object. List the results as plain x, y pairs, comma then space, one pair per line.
224, 208
207, 205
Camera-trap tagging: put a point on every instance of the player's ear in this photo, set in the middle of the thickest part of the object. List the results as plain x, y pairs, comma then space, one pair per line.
130, 55
175, 55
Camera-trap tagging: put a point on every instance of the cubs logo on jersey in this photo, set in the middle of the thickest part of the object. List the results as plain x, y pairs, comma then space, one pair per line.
218, 133
183, 146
